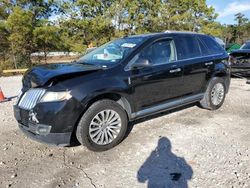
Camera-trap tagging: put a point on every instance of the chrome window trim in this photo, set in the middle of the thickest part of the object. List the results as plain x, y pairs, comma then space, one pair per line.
198, 57
128, 68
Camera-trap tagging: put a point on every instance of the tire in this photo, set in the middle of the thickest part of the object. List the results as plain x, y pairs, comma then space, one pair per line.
90, 121
208, 101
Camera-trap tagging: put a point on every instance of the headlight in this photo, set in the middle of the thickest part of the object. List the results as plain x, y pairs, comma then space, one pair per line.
56, 96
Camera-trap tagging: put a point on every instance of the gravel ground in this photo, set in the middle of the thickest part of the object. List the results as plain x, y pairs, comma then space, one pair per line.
189, 147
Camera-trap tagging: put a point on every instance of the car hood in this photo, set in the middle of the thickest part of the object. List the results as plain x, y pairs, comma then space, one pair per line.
44, 74
241, 53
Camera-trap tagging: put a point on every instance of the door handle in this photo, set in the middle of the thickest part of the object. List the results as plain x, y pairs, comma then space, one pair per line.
209, 63
175, 70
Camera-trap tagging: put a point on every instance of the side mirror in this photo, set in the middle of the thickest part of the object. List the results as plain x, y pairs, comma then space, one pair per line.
141, 63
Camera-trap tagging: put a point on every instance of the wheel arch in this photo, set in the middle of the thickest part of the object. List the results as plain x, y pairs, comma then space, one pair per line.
221, 74
121, 100
112, 96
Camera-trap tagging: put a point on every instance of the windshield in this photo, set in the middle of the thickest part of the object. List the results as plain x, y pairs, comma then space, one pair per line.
246, 46
111, 53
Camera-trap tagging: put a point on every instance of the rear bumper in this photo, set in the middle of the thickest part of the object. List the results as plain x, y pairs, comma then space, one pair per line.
58, 139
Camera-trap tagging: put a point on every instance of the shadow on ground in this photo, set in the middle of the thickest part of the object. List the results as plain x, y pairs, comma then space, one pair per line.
154, 116
74, 141
163, 169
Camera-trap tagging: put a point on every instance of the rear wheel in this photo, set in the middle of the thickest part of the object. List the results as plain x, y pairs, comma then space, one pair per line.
102, 126
214, 95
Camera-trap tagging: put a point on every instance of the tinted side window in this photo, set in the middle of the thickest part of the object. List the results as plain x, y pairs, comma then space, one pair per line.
204, 48
187, 47
160, 52
211, 44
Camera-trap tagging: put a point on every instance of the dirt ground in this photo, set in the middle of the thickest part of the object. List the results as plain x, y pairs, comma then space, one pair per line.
190, 147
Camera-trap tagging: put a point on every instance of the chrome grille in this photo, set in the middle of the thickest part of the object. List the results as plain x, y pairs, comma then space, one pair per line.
30, 98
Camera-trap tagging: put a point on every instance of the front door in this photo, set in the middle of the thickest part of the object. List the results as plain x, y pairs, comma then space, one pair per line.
162, 80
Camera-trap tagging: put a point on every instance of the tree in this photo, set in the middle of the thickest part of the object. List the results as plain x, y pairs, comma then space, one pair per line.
19, 24
46, 38
26, 26
213, 28
3, 37
241, 22
4, 44
86, 22
142, 16
240, 19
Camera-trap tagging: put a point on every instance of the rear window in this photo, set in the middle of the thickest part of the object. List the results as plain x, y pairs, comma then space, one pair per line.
187, 47
212, 46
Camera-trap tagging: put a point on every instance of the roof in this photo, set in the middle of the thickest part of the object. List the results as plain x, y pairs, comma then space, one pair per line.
163, 33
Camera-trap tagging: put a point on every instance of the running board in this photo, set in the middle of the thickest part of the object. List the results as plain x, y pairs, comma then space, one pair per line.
167, 106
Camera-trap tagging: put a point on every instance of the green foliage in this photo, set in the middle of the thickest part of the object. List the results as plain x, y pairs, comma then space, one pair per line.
3, 37
242, 27
212, 28
238, 33
19, 25
46, 38
26, 26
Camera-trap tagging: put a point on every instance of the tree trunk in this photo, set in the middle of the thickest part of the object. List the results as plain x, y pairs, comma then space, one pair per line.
13, 56
45, 54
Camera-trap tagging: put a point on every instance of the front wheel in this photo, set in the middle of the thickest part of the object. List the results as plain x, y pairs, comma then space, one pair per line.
214, 95
102, 126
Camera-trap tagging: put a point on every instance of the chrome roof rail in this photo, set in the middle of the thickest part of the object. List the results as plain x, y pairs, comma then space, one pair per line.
173, 31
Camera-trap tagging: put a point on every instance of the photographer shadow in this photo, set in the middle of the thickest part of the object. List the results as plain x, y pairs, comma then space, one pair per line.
163, 169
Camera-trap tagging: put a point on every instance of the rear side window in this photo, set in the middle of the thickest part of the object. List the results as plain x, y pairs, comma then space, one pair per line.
187, 47
212, 46
204, 49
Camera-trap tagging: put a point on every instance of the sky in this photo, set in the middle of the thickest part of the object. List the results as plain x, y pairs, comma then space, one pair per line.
228, 8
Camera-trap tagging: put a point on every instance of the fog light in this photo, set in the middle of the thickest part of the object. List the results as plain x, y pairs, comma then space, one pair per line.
43, 129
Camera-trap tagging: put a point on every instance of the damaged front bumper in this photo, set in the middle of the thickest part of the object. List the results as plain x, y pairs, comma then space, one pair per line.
59, 139
40, 132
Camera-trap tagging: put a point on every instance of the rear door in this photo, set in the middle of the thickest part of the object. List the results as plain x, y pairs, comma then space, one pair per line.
195, 70
211, 55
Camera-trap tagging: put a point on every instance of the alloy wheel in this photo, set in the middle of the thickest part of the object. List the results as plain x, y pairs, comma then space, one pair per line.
105, 127
217, 94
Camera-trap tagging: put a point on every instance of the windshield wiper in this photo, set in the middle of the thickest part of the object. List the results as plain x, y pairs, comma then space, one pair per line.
82, 62
99, 66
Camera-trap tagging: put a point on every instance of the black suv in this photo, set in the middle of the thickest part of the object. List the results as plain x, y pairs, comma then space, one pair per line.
94, 98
